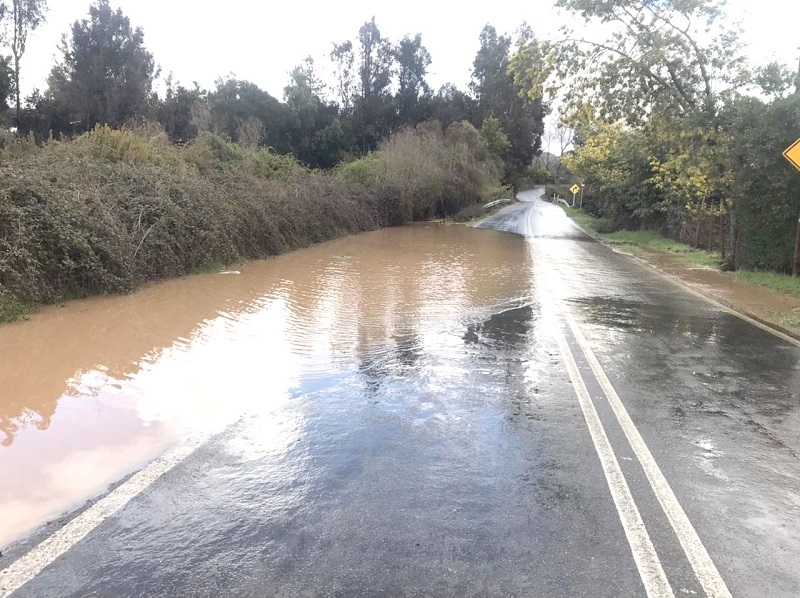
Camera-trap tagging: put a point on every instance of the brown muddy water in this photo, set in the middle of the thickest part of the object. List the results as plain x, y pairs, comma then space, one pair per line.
91, 391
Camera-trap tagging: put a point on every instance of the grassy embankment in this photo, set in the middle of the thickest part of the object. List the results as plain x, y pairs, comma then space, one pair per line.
638, 242
111, 210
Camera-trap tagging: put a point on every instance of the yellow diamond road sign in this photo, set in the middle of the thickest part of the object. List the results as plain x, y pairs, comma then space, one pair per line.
575, 188
792, 154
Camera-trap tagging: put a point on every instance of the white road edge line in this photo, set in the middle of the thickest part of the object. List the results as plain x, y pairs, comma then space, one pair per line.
704, 568
728, 310
694, 292
31, 564
644, 553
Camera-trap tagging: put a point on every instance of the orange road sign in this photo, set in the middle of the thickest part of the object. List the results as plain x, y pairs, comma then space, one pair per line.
792, 154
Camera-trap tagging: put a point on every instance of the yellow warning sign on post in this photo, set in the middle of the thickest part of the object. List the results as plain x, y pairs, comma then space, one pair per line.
792, 154
574, 189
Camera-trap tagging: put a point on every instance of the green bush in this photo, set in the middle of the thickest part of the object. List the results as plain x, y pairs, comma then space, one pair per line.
427, 172
112, 209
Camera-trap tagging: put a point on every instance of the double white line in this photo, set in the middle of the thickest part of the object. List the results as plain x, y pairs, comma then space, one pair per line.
644, 553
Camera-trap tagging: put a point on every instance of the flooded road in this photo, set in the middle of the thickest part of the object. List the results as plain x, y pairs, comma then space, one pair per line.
429, 410
92, 390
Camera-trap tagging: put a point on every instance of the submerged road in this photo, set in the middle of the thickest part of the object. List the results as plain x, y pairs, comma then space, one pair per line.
597, 431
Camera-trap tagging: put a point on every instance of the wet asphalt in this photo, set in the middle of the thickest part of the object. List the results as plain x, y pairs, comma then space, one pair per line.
464, 466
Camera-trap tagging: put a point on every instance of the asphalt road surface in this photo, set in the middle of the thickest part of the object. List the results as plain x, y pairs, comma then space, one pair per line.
604, 433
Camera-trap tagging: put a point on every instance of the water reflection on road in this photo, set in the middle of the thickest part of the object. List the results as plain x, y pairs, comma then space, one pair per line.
92, 390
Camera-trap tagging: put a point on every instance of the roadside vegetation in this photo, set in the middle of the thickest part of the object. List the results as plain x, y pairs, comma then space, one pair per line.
112, 209
104, 184
671, 128
638, 242
643, 242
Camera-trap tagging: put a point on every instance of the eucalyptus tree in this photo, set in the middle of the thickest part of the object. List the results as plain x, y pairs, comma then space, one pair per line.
315, 132
105, 73
521, 114
24, 17
413, 92
373, 92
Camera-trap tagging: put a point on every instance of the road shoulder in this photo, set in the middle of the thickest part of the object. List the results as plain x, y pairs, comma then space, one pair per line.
778, 311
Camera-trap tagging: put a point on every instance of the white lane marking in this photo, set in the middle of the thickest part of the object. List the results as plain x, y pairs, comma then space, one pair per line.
644, 553
726, 309
686, 287
704, 568
31, 564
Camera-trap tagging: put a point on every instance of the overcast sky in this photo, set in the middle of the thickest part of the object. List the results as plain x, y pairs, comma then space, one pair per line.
262, 41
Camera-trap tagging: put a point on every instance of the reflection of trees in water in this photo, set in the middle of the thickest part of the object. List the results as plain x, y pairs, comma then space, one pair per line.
507, 330
11, 426
371, 284
391, 359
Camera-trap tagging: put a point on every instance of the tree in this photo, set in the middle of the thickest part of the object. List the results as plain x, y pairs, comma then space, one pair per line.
495, 137
491, 83
343, 59
26, 16
451, 105
673, 56
775, 79
372, 104
175, 113
668, 69
413, 60
6, 81
105, 75
315, 133
236, 105
520, 114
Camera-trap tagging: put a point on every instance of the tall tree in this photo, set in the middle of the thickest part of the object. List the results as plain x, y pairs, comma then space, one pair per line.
175, 112
451, 105
316, 135
239, 106
490, 81
343, 59
521, 116
413, 60
375, 70
105, 74
26, 15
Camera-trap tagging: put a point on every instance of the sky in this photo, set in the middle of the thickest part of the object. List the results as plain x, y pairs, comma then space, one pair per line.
262, 41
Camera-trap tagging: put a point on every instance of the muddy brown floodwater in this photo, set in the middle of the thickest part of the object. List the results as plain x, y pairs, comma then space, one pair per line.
91, 391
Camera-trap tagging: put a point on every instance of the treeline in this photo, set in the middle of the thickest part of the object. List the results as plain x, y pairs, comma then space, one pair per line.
672, 128
105, 76
105, 185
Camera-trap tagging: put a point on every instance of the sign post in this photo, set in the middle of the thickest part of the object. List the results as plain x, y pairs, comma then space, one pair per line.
582, 186
792, 153
796, 263
574, 190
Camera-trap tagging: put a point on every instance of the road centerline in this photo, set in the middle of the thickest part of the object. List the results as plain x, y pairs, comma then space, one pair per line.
644, 554
705, 570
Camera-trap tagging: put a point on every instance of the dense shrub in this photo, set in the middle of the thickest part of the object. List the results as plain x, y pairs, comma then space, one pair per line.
427, 172
114, 208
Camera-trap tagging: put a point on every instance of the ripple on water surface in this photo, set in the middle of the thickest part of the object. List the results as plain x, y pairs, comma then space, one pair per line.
91, 391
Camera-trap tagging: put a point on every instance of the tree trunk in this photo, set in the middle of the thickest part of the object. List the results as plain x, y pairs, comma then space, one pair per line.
733, 236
